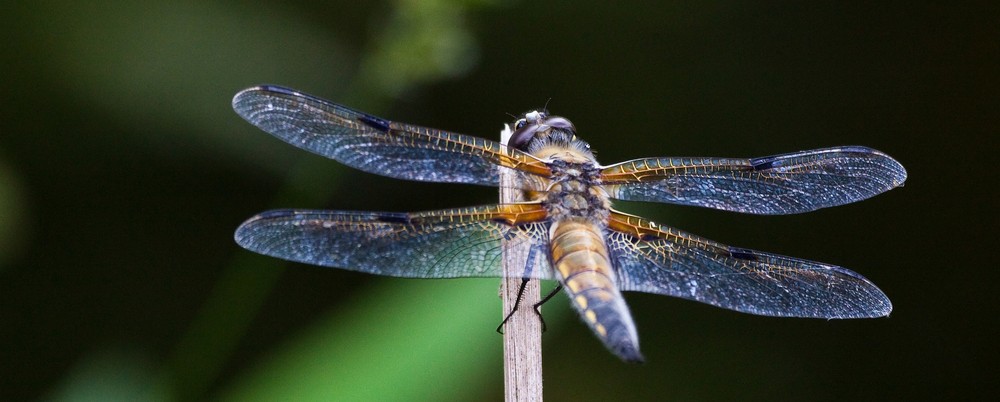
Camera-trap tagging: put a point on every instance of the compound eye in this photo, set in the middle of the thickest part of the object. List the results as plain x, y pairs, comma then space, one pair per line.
560, 123
520, 123
522, 136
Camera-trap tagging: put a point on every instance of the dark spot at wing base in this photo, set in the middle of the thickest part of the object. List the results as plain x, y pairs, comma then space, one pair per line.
377, 123
742, 253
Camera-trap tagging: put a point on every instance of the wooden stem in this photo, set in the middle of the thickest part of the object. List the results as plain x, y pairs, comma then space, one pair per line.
522, 339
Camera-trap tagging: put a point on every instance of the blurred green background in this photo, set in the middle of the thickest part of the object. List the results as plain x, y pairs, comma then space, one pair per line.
124, 171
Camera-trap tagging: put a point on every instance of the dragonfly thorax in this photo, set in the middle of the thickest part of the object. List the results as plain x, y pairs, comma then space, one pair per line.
575, 192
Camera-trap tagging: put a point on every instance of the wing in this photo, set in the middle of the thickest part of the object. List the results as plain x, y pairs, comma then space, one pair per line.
663, 260
379, 146
781, 184
452, 243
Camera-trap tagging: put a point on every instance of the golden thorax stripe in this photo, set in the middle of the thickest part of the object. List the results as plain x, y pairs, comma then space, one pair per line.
510, 214
499, 154
647, 230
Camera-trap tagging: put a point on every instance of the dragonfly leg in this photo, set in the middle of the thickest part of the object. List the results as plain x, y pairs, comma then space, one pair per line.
528, 266
517, 302
539, 305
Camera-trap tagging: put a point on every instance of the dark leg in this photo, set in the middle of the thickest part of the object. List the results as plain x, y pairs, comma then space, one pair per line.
517, 302
545, 299
528, 266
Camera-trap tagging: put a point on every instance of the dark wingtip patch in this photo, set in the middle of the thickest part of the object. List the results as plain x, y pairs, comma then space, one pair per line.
375, 122
275, 88
742, 254
274, 213
765, 163
394, 218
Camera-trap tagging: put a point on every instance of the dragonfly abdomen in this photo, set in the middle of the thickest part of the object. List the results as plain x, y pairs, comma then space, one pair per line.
580, 258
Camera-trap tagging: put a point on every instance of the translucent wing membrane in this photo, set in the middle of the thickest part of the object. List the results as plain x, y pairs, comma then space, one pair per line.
659, 259
379, 146
451, 243
781, 184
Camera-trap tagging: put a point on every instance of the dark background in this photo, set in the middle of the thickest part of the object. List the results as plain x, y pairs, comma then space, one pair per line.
123, 172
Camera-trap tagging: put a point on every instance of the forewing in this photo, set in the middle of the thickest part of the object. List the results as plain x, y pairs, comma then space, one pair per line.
451, 243
379, 146
781, 184
663, 260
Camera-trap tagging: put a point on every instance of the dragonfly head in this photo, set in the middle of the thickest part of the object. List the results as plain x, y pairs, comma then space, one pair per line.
538, 124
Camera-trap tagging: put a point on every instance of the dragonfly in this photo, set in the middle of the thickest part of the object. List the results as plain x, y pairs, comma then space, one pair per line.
573, 234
